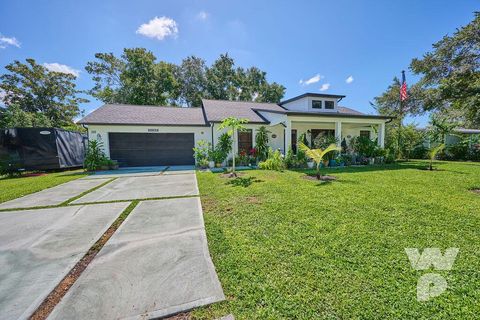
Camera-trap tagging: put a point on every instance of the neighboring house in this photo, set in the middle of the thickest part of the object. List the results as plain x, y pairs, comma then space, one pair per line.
460, 133
151, 135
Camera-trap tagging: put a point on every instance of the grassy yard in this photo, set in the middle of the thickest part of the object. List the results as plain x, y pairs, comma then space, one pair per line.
12, 188
289, 248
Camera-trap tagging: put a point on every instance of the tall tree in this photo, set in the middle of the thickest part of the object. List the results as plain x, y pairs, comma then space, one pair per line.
191, 75
222, 79
44, 96
451, 73
134, 78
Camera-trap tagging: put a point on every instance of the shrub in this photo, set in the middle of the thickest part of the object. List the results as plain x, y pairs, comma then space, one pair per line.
94, 157
9, 166
295, 161
261, 143
323, 142
202, 152
273, 162
364, 146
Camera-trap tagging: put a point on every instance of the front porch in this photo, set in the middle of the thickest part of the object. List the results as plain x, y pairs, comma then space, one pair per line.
341, 129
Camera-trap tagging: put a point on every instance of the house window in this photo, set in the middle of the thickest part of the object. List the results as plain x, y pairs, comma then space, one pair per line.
329, 105
317, 104
245, 141
365, 133
294, 141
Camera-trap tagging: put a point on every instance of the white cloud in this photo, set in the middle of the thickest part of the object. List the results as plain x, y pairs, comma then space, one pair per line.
202, 15
159, 28
349, 79
313, 79
8, 41
325, 86
57, 67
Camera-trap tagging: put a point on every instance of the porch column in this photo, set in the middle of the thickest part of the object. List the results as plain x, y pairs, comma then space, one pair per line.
288, 136
338, 132
381, 135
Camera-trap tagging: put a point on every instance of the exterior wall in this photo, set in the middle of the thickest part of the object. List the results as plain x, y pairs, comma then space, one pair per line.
305, 104
347, 132
274, 143
100, 132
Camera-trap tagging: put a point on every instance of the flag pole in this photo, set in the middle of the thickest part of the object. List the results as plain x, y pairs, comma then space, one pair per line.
400, 122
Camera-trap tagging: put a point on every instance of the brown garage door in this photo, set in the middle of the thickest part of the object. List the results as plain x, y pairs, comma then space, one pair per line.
152, 149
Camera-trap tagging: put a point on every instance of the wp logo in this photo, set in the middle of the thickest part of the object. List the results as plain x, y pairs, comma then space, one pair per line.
431, 285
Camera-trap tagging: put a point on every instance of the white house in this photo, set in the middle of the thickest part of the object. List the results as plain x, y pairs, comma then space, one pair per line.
152, 135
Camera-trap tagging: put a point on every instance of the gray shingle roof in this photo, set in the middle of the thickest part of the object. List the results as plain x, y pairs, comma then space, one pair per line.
217, 110
145, 115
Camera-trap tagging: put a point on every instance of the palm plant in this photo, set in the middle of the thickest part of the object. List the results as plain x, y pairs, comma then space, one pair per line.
317, 154
432, 154
233, 125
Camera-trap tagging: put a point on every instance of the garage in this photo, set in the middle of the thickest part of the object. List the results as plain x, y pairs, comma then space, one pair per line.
152, 149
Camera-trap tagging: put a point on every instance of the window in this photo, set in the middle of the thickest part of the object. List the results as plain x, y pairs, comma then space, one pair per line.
365, 133
329, 105
317, 104
294, 141
245, 141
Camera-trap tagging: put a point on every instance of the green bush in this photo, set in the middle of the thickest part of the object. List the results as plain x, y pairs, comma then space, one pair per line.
261, 143
295, 161
273, 162
202, 153
9, 166
95, 158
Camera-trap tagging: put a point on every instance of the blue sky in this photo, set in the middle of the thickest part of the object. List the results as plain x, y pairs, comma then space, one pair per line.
328, 41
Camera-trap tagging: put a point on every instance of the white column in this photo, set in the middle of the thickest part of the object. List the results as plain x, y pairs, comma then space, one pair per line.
288, 136
338, 132
381, 135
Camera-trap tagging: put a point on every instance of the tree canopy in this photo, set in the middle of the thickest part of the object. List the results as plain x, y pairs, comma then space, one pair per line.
450, 73
138, 78
36, 96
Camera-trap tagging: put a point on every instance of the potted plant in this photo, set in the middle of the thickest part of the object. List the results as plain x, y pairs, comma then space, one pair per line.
113, 165
310, 164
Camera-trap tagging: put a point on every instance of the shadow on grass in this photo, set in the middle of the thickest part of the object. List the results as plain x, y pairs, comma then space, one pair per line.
243, 181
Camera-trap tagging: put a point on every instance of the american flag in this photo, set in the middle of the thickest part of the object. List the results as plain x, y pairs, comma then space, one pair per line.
403, 88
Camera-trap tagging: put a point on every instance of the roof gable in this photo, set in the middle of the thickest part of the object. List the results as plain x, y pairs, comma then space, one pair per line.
218, 110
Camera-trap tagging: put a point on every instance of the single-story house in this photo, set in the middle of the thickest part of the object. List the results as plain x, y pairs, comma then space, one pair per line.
152, 135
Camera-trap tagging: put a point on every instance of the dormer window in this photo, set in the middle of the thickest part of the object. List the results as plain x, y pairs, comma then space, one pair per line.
316, 104
329, 105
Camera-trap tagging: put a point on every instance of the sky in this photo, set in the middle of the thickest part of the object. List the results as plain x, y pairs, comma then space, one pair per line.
354, 48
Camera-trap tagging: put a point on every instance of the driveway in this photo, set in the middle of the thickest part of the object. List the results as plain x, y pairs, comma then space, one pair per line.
156, 264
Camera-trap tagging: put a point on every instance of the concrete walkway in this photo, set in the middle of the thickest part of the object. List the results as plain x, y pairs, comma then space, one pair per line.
155, 265
39, 247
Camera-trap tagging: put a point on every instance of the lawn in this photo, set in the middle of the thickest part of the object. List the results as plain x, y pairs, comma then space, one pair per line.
289, 248
12, 188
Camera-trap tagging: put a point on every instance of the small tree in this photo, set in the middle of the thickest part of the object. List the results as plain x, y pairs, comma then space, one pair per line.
261, 143
433, 153
233, 125
317, 154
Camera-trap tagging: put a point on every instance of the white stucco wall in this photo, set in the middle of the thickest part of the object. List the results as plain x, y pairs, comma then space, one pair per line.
305, 104
100, 132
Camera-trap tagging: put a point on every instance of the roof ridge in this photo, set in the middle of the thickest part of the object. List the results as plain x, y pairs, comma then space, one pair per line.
236, 101
148, 105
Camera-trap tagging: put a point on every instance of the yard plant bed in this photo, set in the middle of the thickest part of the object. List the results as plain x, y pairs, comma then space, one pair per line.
337, 250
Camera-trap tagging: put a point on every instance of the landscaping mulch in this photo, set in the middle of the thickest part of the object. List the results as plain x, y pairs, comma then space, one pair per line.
322, 178
477, 191
229, 175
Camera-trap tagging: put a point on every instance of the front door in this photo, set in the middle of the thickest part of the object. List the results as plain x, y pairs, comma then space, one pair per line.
245, 141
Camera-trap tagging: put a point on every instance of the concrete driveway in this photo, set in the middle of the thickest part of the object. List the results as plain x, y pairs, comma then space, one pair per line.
156, 264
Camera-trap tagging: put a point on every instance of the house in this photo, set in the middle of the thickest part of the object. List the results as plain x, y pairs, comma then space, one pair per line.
151, 135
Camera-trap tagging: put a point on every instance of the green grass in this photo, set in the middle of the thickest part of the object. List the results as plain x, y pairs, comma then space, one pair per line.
12, 188
289, 248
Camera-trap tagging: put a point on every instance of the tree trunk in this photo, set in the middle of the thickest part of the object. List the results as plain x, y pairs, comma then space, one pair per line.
233, 154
